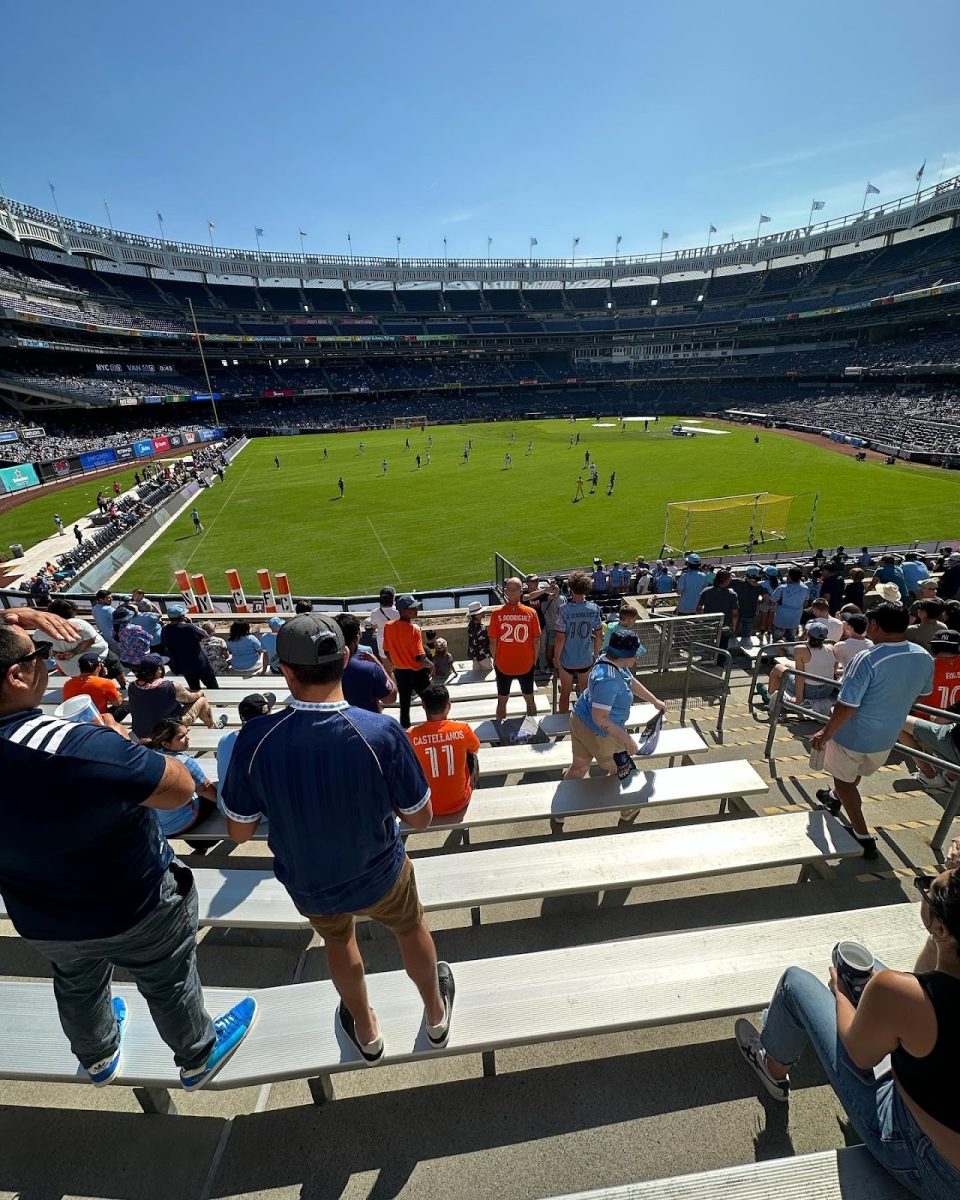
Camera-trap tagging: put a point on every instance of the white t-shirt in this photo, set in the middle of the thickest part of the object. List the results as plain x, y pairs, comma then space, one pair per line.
85, 631
834, 625
843, 652
380, 617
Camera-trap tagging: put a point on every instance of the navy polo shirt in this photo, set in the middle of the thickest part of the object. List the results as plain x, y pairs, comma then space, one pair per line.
365, 683
330, 778
80, 858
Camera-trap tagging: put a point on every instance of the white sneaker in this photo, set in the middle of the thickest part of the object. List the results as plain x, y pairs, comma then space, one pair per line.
748, 1040
935, 783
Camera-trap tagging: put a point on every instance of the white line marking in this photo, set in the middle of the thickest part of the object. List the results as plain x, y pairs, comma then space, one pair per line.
209, 528
396, 573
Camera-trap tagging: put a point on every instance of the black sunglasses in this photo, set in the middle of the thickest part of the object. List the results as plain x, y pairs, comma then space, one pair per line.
42, 650
924, 884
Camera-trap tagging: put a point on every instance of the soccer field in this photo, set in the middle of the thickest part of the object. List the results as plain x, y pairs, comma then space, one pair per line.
439, 526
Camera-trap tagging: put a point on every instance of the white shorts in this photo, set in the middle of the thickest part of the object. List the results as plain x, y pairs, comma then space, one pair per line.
850, 765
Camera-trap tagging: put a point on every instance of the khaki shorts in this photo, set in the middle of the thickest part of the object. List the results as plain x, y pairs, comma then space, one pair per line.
399, 910
850, 765
587, 744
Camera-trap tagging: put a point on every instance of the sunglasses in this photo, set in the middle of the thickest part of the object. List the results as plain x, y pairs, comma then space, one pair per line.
924, 884
42, 651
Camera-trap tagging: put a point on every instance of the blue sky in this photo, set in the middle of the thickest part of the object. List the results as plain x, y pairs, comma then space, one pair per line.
432, 119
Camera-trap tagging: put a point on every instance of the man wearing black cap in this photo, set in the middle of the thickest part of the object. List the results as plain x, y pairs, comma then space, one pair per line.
93, 682
332, 780
404, 656
151, 698
258, 704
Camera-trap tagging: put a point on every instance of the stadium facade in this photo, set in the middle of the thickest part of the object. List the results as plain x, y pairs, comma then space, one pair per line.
858, 311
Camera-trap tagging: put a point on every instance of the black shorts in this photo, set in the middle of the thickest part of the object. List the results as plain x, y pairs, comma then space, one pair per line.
504, 682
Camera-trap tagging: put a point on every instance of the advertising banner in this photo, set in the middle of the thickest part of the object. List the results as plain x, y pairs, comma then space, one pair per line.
61, 467
160, 444
95, 459
204, 395
143, 448
9, 435
17, 478
123, 453
37, 432
175, 439
189, 436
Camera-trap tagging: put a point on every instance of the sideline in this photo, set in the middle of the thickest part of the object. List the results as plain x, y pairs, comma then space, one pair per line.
112, 579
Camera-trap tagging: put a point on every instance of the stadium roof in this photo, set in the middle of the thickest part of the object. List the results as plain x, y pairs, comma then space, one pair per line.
113, 250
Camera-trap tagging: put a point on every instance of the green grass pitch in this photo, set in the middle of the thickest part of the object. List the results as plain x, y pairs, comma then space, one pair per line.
439, 526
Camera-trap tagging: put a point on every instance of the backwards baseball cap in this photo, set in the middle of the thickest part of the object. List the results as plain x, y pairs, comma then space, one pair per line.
89, 662
275, 622
176, 610
310, 640
693, 560
256, 705
406, 601
623, 645
818, 629
946, 641
150, 663
752, 572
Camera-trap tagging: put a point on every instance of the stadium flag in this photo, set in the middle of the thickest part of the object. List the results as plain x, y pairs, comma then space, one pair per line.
258, 231
764, 220
160, 223
923, 167
303, 233
211, 225
872, 191
817, 205
713, 229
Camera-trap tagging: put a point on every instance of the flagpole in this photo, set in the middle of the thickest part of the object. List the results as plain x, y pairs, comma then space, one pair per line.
866, 193
489, 244
110, 219
810, 218
210, 234
350, 246
709, 236
256, 234
398, 249
923, 167
160, 223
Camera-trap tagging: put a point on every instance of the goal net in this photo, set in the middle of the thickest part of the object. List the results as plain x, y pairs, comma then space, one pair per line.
726, 522
409, 422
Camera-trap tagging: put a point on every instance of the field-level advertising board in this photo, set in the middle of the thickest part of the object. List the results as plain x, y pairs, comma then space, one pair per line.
409, 422
737, 522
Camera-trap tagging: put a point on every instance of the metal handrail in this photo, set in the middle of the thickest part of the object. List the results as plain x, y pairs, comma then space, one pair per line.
723, 678
951, 806
759, 663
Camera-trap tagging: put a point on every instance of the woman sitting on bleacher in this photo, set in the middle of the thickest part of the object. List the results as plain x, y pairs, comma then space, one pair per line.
909, 1117
172, 737
247, 656
814, 657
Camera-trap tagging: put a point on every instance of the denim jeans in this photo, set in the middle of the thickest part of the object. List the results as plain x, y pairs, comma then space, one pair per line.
804, 1009
745, 627
160, 952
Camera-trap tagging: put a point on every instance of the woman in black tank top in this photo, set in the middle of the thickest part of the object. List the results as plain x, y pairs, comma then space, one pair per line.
892, 1059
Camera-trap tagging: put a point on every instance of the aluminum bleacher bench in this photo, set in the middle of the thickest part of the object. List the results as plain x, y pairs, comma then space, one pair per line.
730, 782
553, 756
549, 996
242, 899
851, 1174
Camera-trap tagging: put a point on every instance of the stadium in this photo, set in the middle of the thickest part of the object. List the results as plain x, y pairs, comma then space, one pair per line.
300, 896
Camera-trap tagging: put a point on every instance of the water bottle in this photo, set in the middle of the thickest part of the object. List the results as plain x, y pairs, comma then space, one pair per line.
817, 758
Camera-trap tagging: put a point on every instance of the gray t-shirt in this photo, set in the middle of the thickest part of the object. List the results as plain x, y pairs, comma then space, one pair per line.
721, 600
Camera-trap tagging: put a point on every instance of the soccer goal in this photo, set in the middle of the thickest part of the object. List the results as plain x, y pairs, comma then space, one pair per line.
409, 422
735, 522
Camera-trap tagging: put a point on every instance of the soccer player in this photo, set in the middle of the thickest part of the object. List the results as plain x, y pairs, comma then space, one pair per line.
428, 458
383, 466
430, 441
276, 462
325, 454
594, 478
514, 638
406, 444
613, 480
466, 454
586, 457
578, 495
363, 448
447, 752
507, 461
578, 439
418, 462
570, 442
529, 447
195, 515
340, 486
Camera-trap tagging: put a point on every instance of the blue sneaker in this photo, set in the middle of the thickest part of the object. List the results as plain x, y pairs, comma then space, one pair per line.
102, 1072
231, 1028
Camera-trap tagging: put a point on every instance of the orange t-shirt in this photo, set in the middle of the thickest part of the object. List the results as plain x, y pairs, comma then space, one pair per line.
946, 684
403, 641
103, 692
441, 747
516, 628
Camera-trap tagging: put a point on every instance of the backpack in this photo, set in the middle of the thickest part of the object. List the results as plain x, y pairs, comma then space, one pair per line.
134, 644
